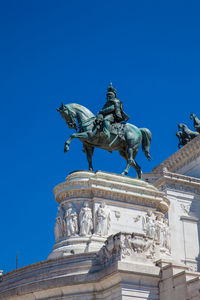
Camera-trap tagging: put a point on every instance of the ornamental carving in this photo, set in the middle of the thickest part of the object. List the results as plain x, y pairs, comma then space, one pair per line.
124, 245
155, 227
185, 208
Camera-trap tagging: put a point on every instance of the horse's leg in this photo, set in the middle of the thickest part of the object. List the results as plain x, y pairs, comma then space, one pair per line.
89, 152
130, 161
138, 170
82, 135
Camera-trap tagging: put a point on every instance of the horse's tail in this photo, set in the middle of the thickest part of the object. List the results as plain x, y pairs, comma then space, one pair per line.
146, 141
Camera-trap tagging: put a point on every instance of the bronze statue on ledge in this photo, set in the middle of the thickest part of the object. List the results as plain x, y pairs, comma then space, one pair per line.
106, 131
185, 135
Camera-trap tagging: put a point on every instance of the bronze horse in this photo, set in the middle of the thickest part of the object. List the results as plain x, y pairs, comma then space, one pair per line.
127, 142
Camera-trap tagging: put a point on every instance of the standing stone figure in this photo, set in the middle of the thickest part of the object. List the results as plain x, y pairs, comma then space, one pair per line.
58, 229
71, 221
85, 220
102, 220
159, 228
149, 225
166, 235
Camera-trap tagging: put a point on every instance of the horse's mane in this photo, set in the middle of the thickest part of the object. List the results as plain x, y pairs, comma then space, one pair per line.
81, 109
182, 125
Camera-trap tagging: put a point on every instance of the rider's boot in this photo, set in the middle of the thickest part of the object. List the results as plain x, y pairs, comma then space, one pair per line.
106, 129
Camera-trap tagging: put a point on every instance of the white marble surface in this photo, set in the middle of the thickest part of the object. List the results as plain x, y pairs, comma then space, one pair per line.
113, 203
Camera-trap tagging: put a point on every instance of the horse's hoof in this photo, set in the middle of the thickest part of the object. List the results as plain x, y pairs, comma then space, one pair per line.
124, 173
66, 149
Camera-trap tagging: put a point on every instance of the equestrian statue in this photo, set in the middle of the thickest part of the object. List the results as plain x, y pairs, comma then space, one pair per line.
185, 135
196, 122
107, 130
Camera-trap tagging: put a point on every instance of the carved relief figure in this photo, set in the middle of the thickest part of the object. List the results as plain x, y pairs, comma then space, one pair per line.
166, 235
149, 225
102, 220
125, 246
71, 221
159, 228
59, 229
85, 220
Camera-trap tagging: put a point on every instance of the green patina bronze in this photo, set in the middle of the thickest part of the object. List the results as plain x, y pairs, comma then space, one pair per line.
196, 122
106, 131
185, 135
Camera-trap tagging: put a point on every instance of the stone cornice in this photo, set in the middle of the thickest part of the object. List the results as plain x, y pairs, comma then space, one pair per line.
189, 218
176, 180
83, 184
181, 157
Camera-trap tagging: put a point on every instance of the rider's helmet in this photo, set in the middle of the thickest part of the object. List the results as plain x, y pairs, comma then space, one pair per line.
111, 90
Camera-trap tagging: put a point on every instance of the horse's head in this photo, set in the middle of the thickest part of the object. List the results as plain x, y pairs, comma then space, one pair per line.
68, 115
192, 116
181, 126
179, 134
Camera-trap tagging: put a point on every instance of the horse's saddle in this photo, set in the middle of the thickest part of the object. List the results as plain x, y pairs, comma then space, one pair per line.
118, 129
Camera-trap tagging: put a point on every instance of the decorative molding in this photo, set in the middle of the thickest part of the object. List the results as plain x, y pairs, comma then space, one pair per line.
113, 187
189, 218
174, 181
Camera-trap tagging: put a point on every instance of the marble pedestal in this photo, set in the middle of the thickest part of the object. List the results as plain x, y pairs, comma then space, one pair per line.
95, 206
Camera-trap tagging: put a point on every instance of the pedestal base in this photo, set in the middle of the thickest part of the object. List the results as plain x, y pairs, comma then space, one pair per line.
94, 206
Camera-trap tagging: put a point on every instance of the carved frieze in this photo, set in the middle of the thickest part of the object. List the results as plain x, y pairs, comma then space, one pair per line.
154, 242
69, 223
122, 246
155, 227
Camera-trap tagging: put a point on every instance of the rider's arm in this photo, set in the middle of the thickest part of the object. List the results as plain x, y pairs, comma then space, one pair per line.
118, 109
107, 110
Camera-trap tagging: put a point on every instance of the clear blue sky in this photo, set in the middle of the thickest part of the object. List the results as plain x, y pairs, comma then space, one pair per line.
69, 51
